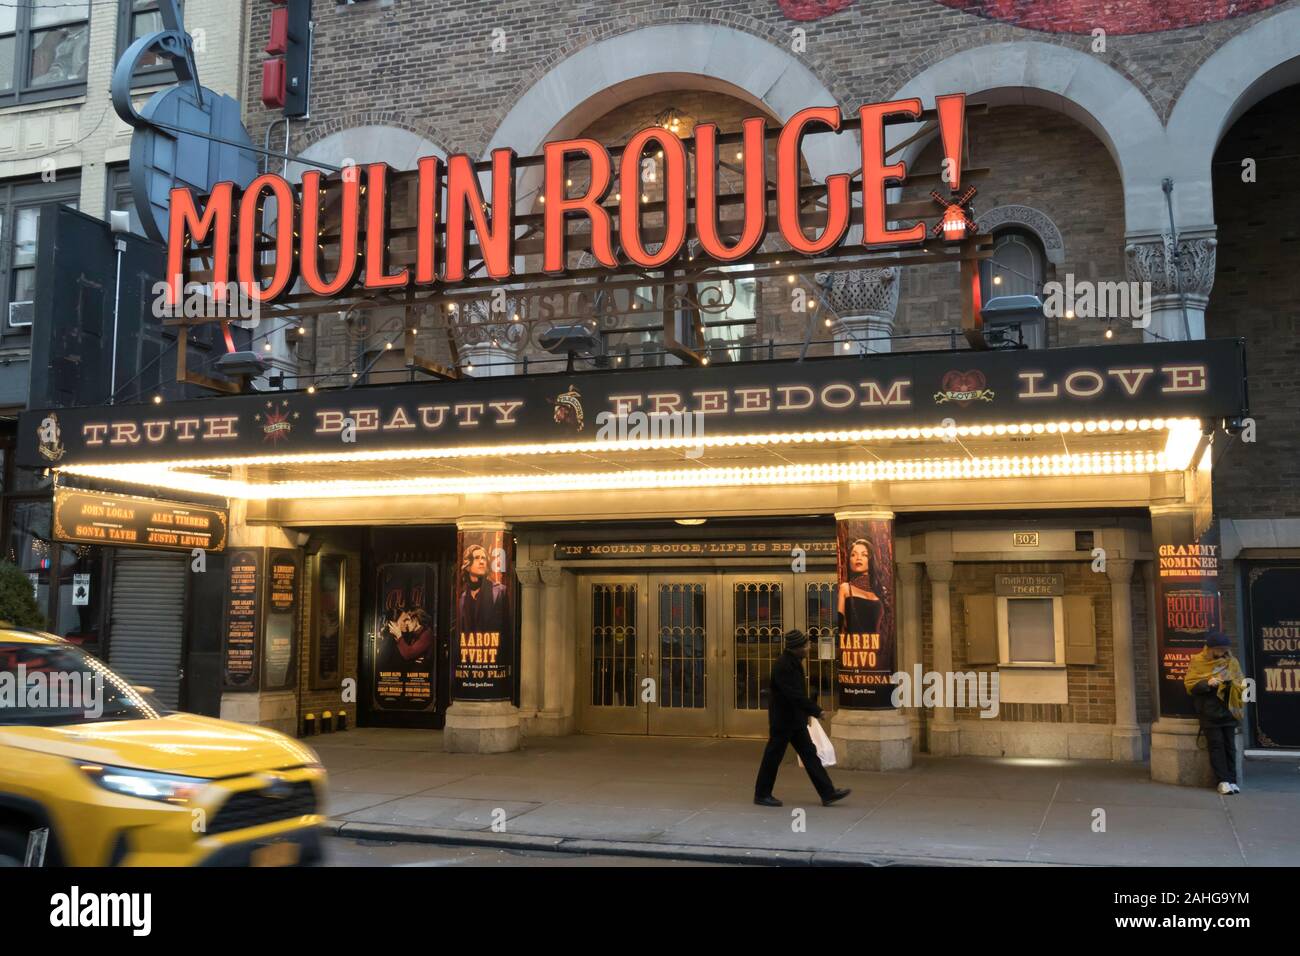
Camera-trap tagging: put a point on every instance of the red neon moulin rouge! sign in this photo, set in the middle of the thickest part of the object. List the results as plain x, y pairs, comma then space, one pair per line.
229, 224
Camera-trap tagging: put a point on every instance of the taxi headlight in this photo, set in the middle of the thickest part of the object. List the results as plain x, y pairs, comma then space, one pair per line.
145, 784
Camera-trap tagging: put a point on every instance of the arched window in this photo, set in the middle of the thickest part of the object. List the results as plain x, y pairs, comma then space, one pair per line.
1017, 266
1011, 289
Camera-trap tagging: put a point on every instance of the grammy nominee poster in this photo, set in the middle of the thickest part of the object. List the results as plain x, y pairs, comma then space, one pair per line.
405, 636
865, 604
482, 657
1187, 601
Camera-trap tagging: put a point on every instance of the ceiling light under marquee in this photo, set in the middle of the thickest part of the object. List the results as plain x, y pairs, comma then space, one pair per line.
1097, 463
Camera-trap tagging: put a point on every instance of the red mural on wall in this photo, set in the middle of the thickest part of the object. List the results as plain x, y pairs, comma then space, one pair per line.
1113, 16
812, 9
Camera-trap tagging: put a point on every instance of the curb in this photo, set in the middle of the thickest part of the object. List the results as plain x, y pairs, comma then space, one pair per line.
745, 856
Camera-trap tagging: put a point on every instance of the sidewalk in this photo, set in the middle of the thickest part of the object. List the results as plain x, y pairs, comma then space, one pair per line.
691, 798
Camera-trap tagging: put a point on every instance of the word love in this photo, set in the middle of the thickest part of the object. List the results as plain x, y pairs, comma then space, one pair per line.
230, 225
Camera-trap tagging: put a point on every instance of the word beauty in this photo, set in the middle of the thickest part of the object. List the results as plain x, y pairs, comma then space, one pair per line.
227, 225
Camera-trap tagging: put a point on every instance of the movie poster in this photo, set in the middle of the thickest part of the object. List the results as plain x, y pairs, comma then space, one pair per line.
482, 666
865, 606
405, 637
1274, 596
1187, 601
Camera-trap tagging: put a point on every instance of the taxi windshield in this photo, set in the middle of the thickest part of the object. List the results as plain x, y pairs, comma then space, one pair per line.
50, 685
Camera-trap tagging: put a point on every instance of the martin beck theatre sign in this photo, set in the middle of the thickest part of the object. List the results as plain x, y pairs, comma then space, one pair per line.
332, 235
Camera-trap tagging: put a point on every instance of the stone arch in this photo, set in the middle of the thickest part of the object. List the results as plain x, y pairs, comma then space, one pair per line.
367, 142
1027, 217
1254, 64
603, 75
1059, 78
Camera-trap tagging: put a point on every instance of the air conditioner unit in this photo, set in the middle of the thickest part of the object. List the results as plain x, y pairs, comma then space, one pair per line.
21, 314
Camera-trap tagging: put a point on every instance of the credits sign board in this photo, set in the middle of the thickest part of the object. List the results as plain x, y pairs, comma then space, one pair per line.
92, 517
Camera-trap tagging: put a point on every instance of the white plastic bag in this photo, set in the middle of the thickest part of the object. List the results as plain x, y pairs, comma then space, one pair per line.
825, 752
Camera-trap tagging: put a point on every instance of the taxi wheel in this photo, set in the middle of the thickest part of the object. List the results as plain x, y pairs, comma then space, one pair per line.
13, 847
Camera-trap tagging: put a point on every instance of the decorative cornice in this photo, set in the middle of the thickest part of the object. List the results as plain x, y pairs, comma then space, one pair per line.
1190, 270
861, 292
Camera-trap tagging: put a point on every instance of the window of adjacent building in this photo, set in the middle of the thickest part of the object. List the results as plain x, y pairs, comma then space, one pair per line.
121, 197
20, 211
44, 49
1031, 630
136, 19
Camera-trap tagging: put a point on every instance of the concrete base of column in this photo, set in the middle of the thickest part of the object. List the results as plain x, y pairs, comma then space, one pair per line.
944, 738
277, 710
1126, 744
547, 724
871, 739
1177, 755
474, 727
915, 724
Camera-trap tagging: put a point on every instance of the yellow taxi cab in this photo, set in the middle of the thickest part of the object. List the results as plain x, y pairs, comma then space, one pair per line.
117, 782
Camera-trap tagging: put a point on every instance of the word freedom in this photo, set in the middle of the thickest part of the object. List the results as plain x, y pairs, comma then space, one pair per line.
449, 199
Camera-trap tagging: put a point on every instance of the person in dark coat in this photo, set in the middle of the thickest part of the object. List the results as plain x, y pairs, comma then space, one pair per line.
789, 709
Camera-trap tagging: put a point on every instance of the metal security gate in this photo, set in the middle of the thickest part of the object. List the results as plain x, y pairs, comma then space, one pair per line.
146, 622
691, 653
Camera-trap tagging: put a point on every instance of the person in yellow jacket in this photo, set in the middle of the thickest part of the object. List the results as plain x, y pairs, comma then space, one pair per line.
1215, 681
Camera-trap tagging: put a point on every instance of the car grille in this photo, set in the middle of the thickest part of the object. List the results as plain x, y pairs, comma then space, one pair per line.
253, 808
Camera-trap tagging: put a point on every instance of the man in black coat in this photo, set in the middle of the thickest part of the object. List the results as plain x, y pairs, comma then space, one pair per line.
788, 711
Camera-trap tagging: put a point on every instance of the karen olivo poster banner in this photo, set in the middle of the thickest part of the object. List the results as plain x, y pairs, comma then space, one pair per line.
405, 637
1187, 601
1274, 609
482, 666
865, 608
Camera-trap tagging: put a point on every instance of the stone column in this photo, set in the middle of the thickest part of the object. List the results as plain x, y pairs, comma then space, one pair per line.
530, 640
488, 341
1126, 738
1180, 598
865, 301
277, 709
1178, 278
555, 718
481, 725
944, 737
879, 738
909, 645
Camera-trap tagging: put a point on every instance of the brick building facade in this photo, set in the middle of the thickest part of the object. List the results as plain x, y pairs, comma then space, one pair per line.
1089, 139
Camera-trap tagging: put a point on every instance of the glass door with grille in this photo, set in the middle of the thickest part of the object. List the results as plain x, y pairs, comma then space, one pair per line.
692, 653
758, 610
612, 645
683, 655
